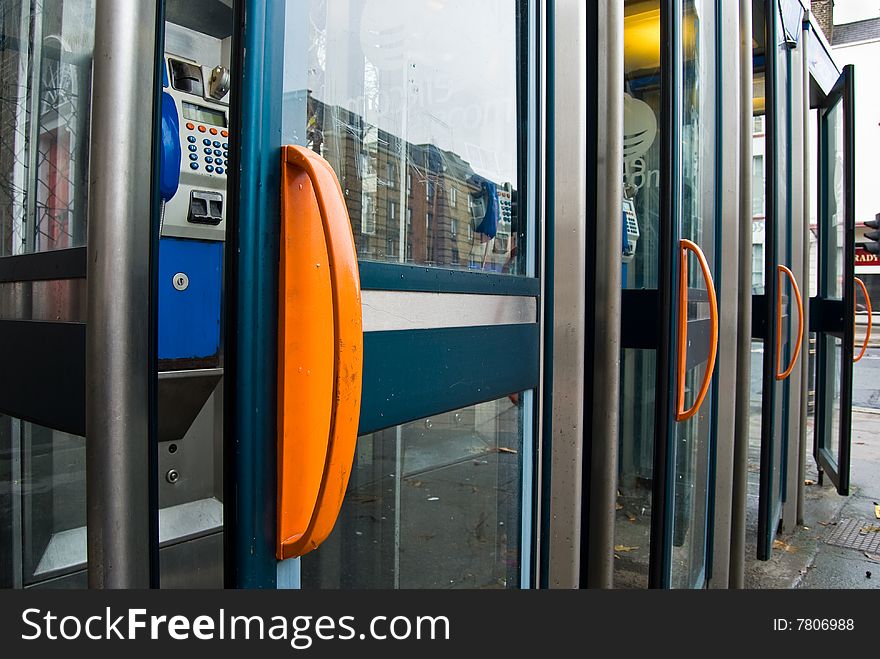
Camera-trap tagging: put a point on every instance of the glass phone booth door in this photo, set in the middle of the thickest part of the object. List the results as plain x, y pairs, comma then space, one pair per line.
834, 305
426, 114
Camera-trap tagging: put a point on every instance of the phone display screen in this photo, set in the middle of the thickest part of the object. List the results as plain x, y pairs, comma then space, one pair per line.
204, 115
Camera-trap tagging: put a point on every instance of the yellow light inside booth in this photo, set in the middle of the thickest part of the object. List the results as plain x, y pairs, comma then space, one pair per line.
641, 32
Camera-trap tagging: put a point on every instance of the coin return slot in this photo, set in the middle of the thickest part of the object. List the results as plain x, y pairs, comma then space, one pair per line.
205, 208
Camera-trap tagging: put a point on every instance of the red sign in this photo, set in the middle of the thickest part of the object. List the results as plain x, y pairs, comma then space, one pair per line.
863, 257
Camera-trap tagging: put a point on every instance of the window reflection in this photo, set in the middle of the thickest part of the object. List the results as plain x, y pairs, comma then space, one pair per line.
435, 503
415, 105
44, 114
641, 178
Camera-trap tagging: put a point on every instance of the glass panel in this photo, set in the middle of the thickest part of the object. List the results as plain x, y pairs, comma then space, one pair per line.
632, 530
435, 503
62, 300
641, 137
759, 194
831, 351
692, 437
641, 178
44, 115
416, 106
831, 284
42, 503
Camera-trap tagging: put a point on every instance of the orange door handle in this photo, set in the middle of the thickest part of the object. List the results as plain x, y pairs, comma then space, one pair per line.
800, 334
870, 320
681, 413
320, 352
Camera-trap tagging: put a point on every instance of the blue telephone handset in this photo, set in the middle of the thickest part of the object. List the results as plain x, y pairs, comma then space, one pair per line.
169, 161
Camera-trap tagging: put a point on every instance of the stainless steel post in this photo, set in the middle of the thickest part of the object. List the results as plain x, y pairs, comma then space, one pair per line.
606, 347
730, 247
118, 328
569, 276
744, 304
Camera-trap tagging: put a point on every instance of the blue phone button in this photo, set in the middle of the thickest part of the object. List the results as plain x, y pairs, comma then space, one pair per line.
191, 139
206, 142
209, 168
219, 170
209, 159
192, 147
194, 156
194, 165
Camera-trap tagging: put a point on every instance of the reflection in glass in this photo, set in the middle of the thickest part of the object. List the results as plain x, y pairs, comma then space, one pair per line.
831, 285
44, 117
831, 354
692, 437
632, 528
641, 179
42, 503
416, 106
435, 503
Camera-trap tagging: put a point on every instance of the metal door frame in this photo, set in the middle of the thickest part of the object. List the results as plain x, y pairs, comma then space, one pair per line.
830, 316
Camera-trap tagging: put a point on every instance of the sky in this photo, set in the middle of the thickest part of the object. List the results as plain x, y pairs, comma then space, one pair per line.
847, 11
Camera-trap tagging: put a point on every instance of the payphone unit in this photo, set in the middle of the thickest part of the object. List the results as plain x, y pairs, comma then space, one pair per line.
201, 99
191, 255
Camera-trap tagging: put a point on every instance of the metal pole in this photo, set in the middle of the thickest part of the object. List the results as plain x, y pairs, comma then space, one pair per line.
606, 348
118, 369
805, 358
730, 248
569, 312
744, 304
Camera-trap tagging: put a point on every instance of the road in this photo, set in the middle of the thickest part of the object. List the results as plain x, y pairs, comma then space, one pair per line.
866, 377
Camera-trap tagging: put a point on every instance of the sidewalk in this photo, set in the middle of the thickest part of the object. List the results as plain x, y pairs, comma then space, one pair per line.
812, 556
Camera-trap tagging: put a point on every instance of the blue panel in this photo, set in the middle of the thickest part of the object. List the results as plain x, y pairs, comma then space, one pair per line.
411, 374
398, 277
189, 319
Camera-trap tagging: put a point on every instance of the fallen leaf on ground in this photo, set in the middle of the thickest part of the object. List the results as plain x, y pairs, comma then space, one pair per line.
779, 544
809, 482
872, 557
877, 510
507, 450
869, 528
619, 506
624, 548
631, 518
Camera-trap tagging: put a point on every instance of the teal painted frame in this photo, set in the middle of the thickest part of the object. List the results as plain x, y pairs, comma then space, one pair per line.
251, 296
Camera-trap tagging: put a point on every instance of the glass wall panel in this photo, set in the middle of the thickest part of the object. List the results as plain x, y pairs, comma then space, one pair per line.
418, 106
692, 437
435, 503
46, 60
42, 503
641, 179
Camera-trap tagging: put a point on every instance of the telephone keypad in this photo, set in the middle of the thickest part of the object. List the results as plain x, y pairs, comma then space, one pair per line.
213, 155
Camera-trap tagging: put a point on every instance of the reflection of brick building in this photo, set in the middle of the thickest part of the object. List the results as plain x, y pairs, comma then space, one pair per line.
432, 195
